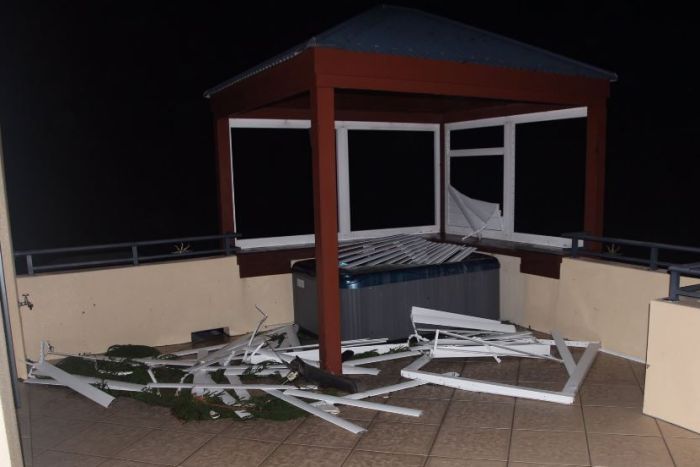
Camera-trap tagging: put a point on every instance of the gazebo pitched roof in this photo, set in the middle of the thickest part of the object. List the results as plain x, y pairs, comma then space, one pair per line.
407, 32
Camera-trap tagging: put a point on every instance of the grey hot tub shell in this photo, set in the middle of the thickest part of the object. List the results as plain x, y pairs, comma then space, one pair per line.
376, 302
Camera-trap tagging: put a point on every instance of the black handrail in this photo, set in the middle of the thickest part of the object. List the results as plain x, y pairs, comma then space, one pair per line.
652, 262
134, 258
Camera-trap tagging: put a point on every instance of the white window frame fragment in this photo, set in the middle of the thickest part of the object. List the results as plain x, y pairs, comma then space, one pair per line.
345, 231
565, 396
507, 151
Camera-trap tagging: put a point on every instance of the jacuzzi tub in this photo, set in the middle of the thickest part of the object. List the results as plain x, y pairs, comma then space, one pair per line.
377, 301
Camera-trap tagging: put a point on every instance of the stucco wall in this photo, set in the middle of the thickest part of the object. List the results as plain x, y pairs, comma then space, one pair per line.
672, 386
154, 304
592, 300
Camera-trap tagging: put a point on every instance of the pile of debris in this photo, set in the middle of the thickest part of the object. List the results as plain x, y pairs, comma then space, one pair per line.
277, 351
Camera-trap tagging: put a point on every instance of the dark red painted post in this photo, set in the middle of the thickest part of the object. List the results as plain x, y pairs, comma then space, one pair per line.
595, 169
222, 135
326, 226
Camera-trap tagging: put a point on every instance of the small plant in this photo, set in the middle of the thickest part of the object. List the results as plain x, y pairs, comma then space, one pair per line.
613, 249
181, 248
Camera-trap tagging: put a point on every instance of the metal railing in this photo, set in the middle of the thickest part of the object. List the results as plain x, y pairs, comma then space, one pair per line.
130, 250
651, 261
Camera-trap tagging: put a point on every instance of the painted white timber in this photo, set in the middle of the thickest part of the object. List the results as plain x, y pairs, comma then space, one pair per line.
75, 384
342, 423
382, 358
354, 403
242, 394
202, 377
261, 387
519, 350
386, 389
109, 383
443, 318
584, 364
466, 384
565, 353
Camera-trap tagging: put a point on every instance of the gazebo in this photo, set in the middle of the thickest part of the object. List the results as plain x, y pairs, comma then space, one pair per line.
403, 66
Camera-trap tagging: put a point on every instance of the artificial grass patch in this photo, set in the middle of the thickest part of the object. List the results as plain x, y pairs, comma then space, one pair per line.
183, 405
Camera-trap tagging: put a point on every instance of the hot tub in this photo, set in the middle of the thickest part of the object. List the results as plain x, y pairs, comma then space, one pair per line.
377, 301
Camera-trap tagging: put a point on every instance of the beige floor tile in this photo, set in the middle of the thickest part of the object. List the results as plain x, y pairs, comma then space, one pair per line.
71, 406
639, 370
222, 451
444, 366
292, 455
66, 459
467, 414
48, 432
445, 462
382, 459
674, 431
612, 395
196, 426
608, 369
165, 447
263, 430
464, 443
628, 451
103, 439
684, 451
549, 447
490, 370
619, 420
537, 415
132, 412
317, 432
126, 463
433, 411
460, 395
530, 464
426, 391
357, 413
542, 371
402, 438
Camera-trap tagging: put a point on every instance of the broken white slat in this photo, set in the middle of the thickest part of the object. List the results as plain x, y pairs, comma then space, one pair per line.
109, 383
203, 378
519, 350
214, 386
242, 394
74, 383
313, 354
386, 389
268, 355
342, 423
382, 358
582, 367
575, 344
500, 346
564, 352
443, 318
354, 403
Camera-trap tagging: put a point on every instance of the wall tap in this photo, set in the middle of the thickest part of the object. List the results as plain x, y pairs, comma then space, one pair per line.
25, 301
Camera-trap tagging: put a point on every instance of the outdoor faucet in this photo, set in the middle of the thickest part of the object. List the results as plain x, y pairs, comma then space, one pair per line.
25, 301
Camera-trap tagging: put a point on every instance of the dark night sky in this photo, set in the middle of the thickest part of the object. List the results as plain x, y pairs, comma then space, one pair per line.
107, 136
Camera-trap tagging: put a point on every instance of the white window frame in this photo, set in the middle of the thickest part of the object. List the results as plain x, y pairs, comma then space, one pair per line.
345, 231
509, 156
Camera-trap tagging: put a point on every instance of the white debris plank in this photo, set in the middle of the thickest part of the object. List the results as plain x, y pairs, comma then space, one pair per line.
466, 384
202, 377
564, 352
215, 386
386, 389
582, 367
519, 350
111, 384
354, 403
342, 423
443, 318
242, 394
75, 384
382, 358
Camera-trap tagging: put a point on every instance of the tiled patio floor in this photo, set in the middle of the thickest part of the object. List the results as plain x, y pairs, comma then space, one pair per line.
605, 427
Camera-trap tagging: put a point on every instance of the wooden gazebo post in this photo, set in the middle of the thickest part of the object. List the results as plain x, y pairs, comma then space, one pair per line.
326, 225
